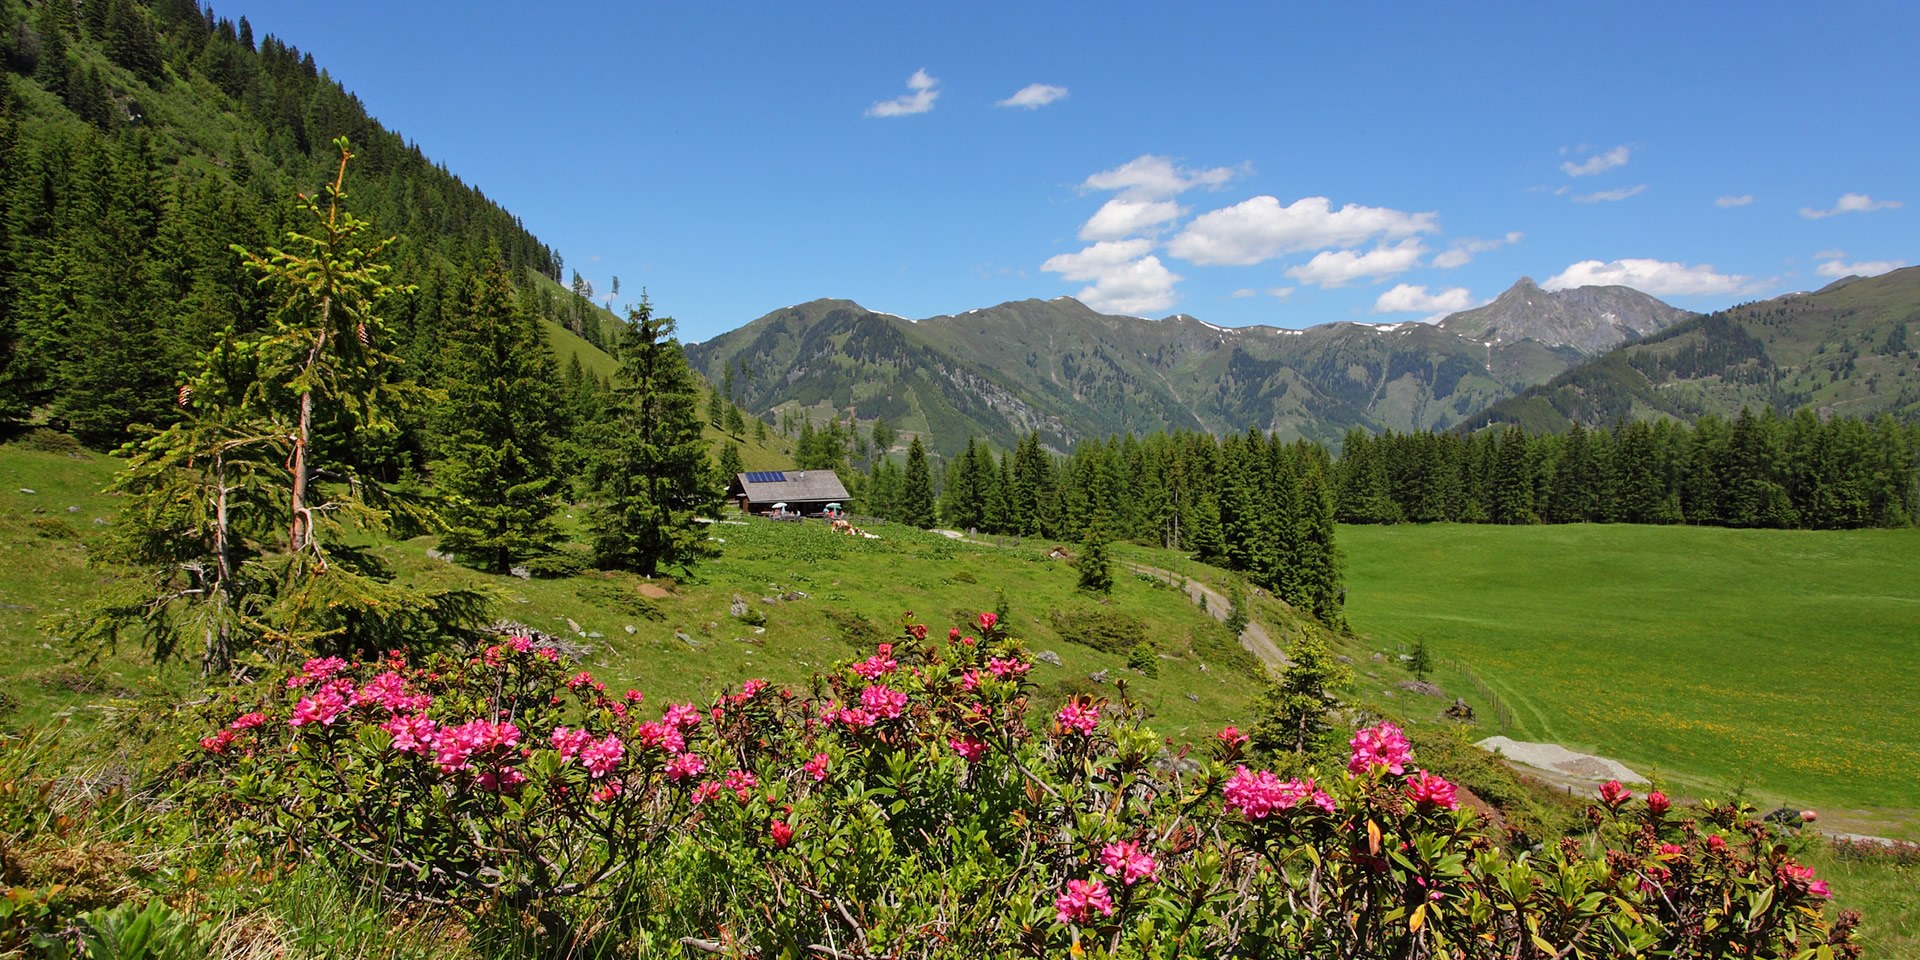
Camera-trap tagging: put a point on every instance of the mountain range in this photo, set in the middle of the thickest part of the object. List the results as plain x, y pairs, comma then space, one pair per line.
1069, 372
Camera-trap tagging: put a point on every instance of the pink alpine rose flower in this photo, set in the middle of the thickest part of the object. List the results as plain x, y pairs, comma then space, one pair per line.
968, 747
1657, 803
742, 783
247, 721
322, 708
704, 792
1428, 790
781, 832
817, 767
1232, 737
1078, 717
601, 756
883, 701
1082, 899
1379, 746
987, 620
686, 766
412, 733
1128, 863
1613, 794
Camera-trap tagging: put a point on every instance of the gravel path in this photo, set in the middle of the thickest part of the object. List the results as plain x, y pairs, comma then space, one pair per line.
1564, 764
1255, 637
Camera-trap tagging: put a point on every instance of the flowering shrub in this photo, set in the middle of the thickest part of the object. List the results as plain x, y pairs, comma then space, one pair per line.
908, 805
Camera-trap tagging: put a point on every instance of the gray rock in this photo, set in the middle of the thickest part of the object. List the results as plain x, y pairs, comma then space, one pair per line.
1343, 658
1422, 687
444, 557
793, 595
631, 629
739, 608
574, 625
101, 521
74, 509
1193, 697
1048, 656
1100, 677
28, 491
683, 638
1378, 657
594, 634
521, 572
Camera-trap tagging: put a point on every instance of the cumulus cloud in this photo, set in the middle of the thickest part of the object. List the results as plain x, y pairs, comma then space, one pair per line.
1152, 177
1598, 163
1260, 229
1407, 298
1732, 200
1279, 293
1865, 268
1657, 277
1463, 251
1124, 278
1243, 293
1121, 217
1033, 96
1336, 268
1849, 203
1610, 196
923, 89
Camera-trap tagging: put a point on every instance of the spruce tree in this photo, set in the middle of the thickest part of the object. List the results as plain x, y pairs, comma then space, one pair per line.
654, 479
1096, 567
916, 495
730, 465
497, 428
1297, 708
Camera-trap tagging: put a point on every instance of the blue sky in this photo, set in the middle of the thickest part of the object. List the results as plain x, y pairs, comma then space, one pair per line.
1270, 163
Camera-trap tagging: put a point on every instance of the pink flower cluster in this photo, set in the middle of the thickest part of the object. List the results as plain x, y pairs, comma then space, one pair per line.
742, 783
1429, 790
1613, 794
454, 747
1004, 667
987, 620
323, 707
316, 670
1078, 717
1128, 863
684, 767
883, 701
1379, 746
970, 748
663, 735
1257, 795
412, 733
602, 755
878, 665
1232, 737
817, 767
1081, 899
1797, 877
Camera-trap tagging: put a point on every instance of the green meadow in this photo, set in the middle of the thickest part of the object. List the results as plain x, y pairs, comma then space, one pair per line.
1781, 663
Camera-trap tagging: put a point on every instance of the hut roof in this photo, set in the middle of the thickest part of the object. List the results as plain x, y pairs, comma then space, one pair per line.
793, 486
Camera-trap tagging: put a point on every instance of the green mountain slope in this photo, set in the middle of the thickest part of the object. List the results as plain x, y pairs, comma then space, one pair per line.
1069, 372
1848, 349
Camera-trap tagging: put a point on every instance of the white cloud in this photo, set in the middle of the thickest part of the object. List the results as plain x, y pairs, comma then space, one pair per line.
924, 90
1123, 278
1407, 298
1850, 203
1598, 163
1279, 293
1732, 200
1610, 196
1833, 254
1463, 251
1865, 268
1657, 277
1150, 177
1243, 293
1260, 229
1122, 217
1033, 96
1335, 268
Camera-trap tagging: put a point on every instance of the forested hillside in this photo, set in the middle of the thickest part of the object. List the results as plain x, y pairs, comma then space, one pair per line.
139, 142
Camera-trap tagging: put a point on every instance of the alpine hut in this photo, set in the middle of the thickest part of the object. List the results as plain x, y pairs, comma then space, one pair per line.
800, 491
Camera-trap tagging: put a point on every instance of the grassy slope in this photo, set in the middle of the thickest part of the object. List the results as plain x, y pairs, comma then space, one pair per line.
42, 564
1715, 659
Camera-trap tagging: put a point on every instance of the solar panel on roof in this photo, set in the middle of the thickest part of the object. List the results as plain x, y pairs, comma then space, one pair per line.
766, 476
